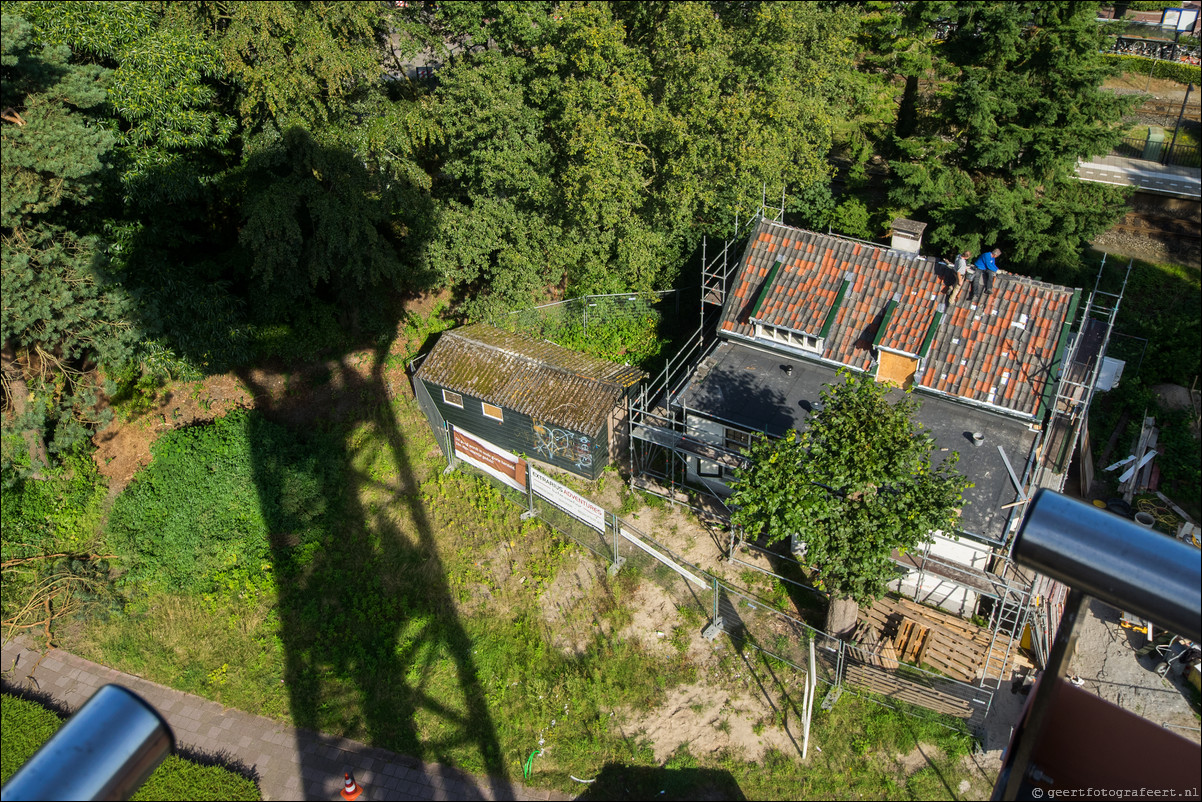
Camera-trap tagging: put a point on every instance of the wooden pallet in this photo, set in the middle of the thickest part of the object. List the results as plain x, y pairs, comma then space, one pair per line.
895, 687
940, 640
872, 649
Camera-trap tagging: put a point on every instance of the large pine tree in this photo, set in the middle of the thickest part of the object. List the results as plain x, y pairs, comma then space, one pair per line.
991, 131
61, 317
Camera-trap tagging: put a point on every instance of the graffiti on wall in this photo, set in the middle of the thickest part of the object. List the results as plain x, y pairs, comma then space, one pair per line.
564, 444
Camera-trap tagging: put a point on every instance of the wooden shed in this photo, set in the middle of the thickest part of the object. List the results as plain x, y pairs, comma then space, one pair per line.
531, 397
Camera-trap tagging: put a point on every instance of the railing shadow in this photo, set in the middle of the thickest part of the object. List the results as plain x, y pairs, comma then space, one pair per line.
645, 782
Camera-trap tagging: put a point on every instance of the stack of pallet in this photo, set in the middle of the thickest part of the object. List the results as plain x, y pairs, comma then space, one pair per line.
871, 648
940, 697
925, 636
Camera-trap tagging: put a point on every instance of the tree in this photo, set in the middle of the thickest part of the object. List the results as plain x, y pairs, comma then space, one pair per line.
854, 486
994, 121
599, 142
62, 317
162, 95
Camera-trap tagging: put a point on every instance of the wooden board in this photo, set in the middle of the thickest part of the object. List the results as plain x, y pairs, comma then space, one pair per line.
894, 687
941, 641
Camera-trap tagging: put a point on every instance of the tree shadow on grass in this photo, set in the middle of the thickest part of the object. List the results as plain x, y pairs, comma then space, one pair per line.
367, 620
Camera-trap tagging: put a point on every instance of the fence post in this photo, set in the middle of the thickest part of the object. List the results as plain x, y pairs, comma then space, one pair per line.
530, 511
839, 664
452, 461
618, 560
1168, 159
715, 626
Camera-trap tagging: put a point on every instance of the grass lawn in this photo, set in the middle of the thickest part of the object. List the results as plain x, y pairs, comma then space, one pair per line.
331, 576
27, 725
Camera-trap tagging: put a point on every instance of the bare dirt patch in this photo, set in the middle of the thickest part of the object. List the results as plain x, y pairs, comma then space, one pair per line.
123, 447
318, 391
710, 724
1134, 83
566, 605
1148, 249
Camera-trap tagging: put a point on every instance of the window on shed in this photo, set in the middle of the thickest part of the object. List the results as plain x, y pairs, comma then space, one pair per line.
454, 399
707, 468
493, 412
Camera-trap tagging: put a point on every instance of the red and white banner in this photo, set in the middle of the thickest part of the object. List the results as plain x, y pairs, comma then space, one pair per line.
567, 500
492, 460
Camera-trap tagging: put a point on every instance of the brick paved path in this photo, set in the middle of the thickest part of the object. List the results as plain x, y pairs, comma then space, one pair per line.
292, 763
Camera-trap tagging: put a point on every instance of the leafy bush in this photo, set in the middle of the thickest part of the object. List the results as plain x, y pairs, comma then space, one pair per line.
59, 512
200, 517
1169, 70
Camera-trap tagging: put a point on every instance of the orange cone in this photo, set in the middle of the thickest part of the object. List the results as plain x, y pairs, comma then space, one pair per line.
350, 791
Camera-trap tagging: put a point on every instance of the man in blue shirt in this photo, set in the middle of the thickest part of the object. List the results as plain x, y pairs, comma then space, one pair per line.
982, 280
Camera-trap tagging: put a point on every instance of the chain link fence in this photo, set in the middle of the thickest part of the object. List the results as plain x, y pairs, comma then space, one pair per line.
752, 622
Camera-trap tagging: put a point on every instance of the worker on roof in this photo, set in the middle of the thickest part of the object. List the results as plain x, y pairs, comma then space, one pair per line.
982, 280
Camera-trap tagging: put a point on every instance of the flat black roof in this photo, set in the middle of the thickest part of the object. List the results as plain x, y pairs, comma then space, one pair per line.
749, 388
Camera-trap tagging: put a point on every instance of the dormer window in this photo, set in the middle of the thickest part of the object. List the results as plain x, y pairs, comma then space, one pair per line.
789, 338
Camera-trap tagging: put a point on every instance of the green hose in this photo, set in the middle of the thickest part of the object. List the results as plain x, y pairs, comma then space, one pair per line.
529, 763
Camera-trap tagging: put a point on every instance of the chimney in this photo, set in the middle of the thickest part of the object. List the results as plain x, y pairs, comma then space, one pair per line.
907, 235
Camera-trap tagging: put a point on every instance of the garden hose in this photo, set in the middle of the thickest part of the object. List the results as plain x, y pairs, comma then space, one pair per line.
1161, 513
530, 763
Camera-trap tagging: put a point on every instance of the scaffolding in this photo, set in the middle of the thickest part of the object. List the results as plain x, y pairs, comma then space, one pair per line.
1078, 379
1017, 603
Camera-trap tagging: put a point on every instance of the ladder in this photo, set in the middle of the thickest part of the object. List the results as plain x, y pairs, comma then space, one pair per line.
1009, 619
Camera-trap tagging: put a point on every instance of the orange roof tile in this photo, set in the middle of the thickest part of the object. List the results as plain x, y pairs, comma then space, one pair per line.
1022, 318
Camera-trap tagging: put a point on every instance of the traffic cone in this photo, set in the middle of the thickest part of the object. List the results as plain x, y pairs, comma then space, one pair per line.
350, 791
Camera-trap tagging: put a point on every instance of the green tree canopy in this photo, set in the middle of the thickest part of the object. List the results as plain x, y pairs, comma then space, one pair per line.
993, 123
61, 316
162, 96
593, 144
855, 485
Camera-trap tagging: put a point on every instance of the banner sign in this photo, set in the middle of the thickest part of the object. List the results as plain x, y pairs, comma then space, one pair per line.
490, 459
567, 500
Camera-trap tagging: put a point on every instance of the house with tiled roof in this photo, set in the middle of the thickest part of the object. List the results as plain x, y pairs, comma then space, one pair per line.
506, 393
872, 308
799, 305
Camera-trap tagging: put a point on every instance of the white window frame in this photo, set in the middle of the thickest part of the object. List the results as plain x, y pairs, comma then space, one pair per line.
791, 339
499, 417
452, 398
